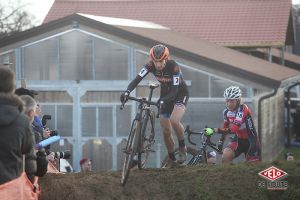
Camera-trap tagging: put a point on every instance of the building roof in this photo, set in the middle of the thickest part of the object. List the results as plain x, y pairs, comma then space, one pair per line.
290, 60
214, 59
238, 23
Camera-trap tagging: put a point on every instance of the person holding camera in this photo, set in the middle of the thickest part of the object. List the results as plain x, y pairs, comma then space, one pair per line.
41, 160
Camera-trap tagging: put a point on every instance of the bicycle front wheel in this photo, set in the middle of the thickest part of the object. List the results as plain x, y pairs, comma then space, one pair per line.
194, 157
146, 139
130, 151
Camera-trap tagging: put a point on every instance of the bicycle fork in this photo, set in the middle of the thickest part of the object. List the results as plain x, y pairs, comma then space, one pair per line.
135, 125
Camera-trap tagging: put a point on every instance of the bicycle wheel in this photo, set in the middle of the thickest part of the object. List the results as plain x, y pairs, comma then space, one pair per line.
146, 139
194, 157
130, 151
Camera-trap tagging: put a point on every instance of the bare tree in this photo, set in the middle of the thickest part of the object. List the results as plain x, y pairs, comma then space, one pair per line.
14, 18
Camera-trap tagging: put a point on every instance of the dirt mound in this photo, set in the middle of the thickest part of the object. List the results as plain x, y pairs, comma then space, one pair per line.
234, 181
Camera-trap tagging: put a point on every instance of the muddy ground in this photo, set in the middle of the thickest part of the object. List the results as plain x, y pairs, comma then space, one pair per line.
232, 181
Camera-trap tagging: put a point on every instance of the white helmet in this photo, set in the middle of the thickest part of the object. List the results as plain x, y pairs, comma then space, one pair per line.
233, 92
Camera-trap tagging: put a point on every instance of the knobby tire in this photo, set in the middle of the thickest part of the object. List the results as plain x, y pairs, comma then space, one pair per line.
144, 145
130, 151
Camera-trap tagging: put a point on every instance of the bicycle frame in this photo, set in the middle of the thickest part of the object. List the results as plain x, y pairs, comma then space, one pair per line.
201, 155
136, 137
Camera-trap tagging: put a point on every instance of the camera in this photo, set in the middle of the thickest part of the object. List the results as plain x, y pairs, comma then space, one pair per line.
62, 154
44, 122
53, 133
45, 118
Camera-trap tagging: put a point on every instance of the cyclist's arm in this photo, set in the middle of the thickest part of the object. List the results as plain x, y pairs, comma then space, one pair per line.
226, 126
134, 83
223, 130
143, 73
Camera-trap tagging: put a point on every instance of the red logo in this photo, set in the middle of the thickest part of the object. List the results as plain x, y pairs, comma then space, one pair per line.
272, 173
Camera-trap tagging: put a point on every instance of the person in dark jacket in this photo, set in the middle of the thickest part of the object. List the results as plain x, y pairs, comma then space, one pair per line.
16, 137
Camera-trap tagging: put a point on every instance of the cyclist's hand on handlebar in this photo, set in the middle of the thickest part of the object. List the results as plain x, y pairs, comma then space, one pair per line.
124, 96
209, 131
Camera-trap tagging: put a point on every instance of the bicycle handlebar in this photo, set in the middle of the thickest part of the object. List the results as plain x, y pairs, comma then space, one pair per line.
142, 101
208, 141
189, 132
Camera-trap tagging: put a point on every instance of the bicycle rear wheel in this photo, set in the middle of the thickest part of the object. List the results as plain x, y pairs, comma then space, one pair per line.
146, 139
130, 151
194, 157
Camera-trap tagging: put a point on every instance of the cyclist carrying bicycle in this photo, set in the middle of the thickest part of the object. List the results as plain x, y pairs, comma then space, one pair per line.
239, 121
173, 98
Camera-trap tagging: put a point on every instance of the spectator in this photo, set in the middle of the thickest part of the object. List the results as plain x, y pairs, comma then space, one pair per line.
296, 123
85, 165
37, 124
16, 139
289, 156
41, 160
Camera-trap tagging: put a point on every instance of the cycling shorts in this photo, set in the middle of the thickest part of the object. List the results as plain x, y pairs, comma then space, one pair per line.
168, 107
239, 146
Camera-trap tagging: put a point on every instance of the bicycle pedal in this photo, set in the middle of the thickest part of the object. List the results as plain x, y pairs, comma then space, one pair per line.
148, 149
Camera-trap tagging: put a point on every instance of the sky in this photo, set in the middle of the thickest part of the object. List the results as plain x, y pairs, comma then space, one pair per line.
36, 8
39, 8
296, 1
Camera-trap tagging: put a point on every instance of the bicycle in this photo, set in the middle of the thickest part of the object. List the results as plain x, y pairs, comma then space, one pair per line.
140, 142
199, 156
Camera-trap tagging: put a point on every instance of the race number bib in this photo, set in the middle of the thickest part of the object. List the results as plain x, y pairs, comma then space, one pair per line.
239, 116
143, 72
176, 79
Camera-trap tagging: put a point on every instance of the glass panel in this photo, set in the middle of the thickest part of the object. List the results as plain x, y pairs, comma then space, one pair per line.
111, 61
210, 114
100, 151
76, 56
219, 85
88, 122
64, 120
144, 91
54, 97
96, 97
105, 122
40, 60
141, 60
124, 121
199, 82
9, 60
